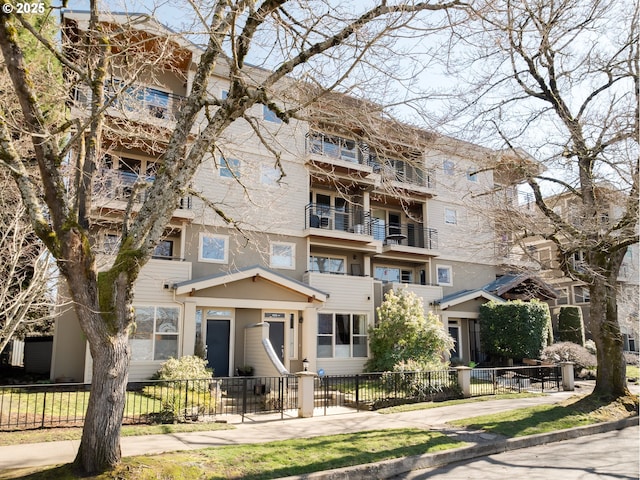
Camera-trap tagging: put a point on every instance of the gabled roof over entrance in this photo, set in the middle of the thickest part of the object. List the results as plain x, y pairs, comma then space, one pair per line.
463, 296
254, 273
522, 286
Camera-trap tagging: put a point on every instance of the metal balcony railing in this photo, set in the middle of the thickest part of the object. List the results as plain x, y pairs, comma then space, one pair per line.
119, 185
407, 234
345, 219
143, 102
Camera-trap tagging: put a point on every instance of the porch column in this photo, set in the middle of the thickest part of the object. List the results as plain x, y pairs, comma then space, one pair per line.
309, 334
189, 327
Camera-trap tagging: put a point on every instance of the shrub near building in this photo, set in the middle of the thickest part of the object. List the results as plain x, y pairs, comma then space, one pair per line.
571, 325
514, 330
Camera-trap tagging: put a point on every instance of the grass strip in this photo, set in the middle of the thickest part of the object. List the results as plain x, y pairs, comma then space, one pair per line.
410, 407
75, 433
269, 460
575, 412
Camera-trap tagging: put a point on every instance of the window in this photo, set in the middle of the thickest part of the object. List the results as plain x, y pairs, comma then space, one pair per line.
472, 175
229, 167
581, 295
448, 167
450, 216
444, 275
342, 335
164, 249
393, 274
270, 175
563, 296
110, 243
269, 115
156, 334
323, 264
213, 248
283, 255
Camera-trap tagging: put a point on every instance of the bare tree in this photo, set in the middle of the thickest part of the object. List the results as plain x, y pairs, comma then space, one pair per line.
297, 38
26, 279
560, 80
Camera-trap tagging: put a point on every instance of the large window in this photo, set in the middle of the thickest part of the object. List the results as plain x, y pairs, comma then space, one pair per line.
213, 248
156, 334
322, 264
342, 335
283, 255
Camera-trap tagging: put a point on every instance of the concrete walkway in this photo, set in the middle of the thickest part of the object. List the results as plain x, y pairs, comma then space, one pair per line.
271, 428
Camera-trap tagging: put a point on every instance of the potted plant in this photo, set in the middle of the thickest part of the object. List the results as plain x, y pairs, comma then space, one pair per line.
245, 371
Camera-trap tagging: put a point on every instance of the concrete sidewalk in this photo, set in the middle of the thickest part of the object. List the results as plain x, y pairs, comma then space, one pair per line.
271, 428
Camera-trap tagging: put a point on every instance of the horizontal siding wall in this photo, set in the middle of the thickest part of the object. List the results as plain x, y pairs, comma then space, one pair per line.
345, 292
154, 275
341, 366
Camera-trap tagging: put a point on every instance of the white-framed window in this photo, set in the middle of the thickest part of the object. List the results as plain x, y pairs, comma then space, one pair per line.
269, 115
326, 264
156, 336
444, 275
450, 216
448, 167
563, 296
581, 295
213, 248
472, 174
283, 255
342, 335
229, 167
270, 175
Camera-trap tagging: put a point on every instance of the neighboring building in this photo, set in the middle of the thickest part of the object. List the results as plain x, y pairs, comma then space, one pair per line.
357, 214
540, 256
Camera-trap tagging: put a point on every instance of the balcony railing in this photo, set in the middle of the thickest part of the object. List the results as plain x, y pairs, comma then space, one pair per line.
143, 102
345, 219
358, 153
406, 234
339, 148
119, 185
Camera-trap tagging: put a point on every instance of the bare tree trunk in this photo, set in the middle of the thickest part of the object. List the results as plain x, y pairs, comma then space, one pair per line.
611, 374
100, 446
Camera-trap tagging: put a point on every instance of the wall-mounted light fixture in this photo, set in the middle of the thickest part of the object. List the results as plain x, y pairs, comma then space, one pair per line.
300, 319
305, 365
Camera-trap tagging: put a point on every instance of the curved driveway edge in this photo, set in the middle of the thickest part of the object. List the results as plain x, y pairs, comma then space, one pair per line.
390, 468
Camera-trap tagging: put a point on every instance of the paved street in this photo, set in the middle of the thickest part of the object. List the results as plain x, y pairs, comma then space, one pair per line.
612, 455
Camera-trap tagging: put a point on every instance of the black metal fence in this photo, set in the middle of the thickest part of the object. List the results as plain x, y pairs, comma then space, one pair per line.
63, 405
58, 405
377, 390
492, 381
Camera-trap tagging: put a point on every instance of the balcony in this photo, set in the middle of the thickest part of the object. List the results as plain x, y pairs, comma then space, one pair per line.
114, 189
407, 235
403, 174
346, 219
135, 102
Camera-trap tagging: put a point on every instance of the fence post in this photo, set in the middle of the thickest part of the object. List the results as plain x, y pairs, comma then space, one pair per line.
44, 408
567, 376
357, 392
244, 397
305, 394
464, 380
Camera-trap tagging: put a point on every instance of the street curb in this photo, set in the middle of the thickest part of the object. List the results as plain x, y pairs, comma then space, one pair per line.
390, 468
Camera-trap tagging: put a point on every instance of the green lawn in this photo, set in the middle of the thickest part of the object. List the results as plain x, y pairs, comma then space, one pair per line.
546, 418
269, 460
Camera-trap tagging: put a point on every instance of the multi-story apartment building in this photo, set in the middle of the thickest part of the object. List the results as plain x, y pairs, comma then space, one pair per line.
317, 241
